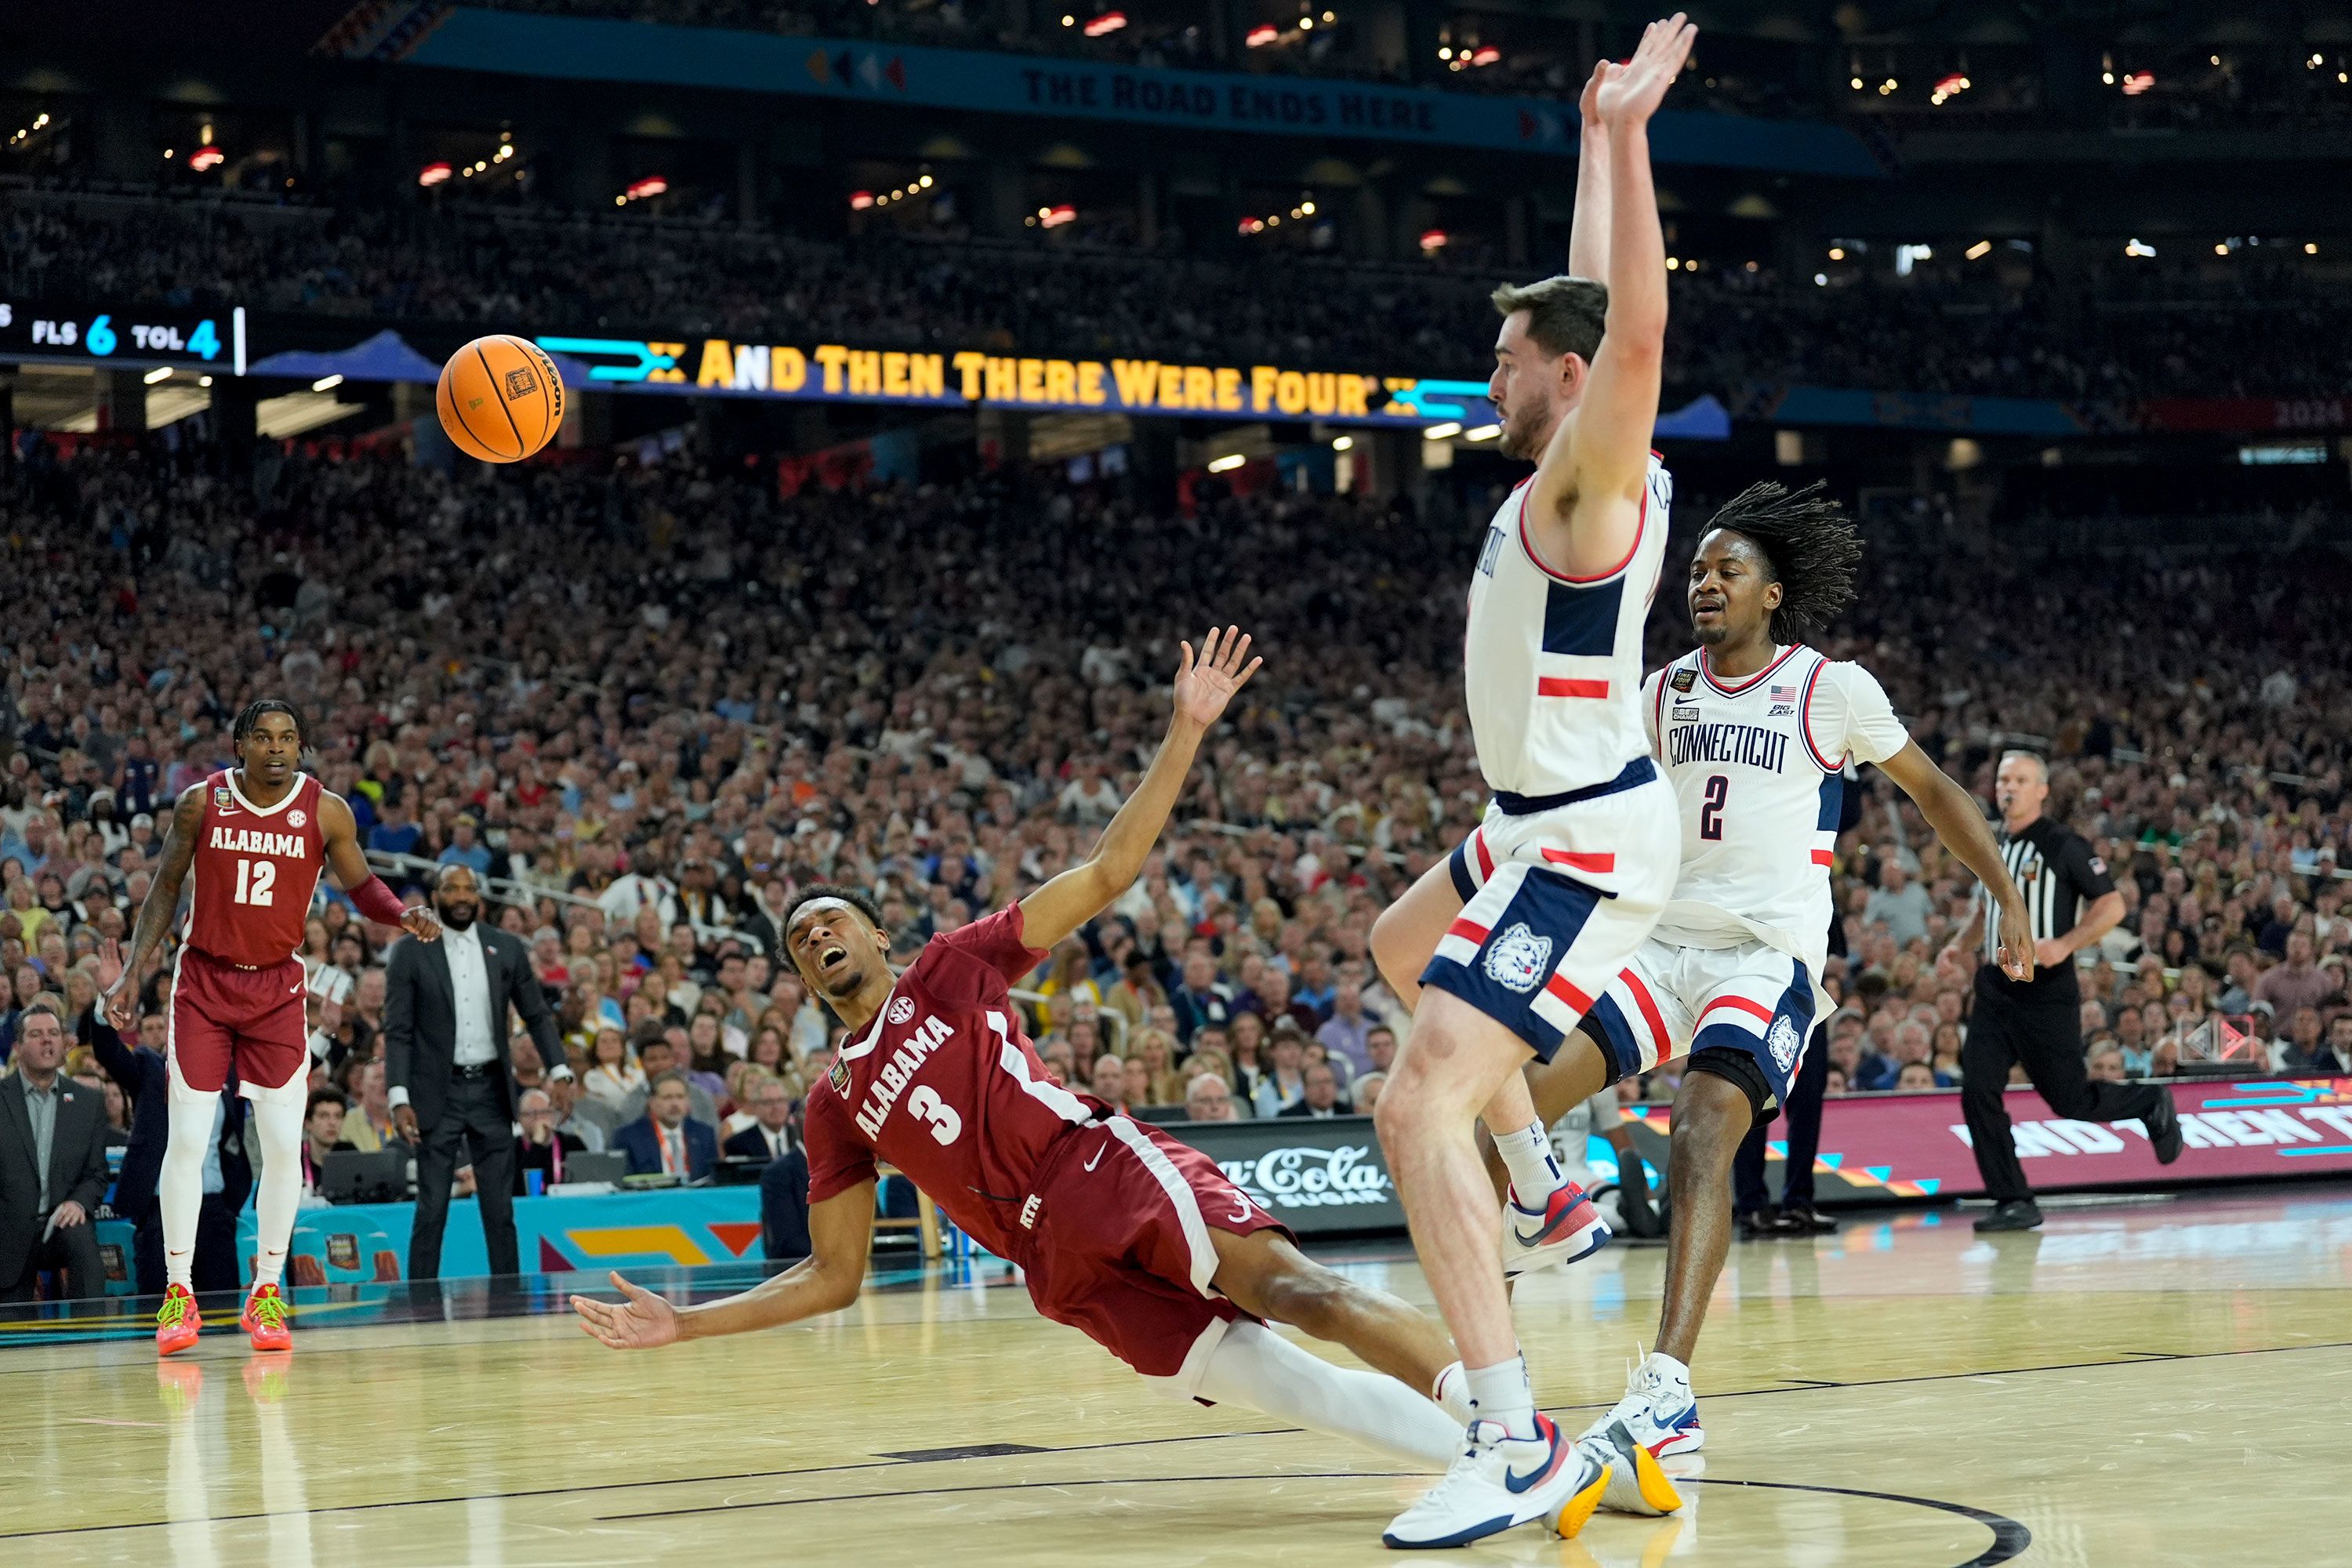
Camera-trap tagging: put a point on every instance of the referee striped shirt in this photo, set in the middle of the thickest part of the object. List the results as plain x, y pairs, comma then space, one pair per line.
2054, 867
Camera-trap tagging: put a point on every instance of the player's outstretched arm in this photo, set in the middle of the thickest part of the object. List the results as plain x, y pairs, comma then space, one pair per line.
1587, 225
354, 876
162, 897
1952, 811
1085, 891
1585, 506
841, 1235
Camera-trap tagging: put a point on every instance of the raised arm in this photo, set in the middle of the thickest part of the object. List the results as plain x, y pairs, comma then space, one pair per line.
1952, 811
1588, 225
348, 861
1585, 506
1086, 889
162, 897
841, 1235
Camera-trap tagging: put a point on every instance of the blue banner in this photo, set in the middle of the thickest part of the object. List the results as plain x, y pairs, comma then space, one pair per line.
352, 1244
586, 48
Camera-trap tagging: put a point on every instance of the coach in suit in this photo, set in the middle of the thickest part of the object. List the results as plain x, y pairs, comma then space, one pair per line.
145, 1078
666, 1138
450, 1080
52, 1165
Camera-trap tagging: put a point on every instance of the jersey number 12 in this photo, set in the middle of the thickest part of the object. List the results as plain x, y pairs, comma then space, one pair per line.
255, 880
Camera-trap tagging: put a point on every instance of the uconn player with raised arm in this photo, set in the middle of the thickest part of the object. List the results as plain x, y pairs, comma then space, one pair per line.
254, 837
1755, 731
1577, 851
1136, 1239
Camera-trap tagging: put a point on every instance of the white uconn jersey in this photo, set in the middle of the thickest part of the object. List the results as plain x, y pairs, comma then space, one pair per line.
1553, 663
1757, 766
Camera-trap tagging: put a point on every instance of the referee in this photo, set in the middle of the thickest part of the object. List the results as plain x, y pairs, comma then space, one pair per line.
2038, 1021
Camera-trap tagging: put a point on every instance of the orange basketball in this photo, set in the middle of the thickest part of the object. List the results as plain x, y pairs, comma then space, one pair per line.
500, 399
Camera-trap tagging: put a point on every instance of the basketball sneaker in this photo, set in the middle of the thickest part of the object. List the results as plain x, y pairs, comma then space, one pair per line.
1637, 1482
1497, 1482
1658, 1411
1566, 1229
265, 1318
177, 1322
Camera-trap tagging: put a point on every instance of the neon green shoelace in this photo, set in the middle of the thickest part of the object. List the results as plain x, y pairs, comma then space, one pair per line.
173, 1313
270, 1310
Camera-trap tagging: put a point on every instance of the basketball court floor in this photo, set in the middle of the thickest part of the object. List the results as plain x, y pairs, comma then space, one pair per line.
2141, 1383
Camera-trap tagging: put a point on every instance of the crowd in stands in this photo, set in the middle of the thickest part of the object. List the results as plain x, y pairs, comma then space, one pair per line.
2240, 327
648, 702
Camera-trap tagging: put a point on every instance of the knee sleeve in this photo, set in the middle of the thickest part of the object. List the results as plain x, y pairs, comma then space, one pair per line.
1257, 1368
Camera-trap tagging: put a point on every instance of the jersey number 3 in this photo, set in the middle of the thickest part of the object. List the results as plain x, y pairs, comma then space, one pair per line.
255, 880
946, 1125
1710, 811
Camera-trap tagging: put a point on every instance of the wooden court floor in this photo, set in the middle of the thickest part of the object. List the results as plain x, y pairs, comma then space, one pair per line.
2163, 1381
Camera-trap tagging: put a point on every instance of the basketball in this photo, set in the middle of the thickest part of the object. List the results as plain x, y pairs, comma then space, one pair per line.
500, 398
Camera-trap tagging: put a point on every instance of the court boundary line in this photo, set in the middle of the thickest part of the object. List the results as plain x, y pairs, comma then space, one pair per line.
1787, 1386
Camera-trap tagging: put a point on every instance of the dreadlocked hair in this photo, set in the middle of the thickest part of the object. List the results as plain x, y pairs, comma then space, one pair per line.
1809, 547
248, 720
858, 898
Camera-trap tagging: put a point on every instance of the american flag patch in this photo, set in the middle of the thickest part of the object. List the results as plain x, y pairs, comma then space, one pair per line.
1784, 694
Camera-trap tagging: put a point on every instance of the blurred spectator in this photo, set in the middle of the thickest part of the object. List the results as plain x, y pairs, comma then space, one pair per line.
322, 1134
1320, 1096
52, 1166
667, 1141
770, 1136
542, 1146
1207, 1098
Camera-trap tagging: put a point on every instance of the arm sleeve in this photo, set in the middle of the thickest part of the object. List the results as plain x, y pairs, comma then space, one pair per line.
838, 1159
2085, 869
1849, 712
996, 941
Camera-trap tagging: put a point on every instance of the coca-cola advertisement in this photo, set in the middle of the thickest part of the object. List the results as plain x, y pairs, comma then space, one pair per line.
1319, 1177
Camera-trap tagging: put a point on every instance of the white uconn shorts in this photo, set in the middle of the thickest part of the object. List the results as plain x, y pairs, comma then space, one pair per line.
1671, 1001
1559, 893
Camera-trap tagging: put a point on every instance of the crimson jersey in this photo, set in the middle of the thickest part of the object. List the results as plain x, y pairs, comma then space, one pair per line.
945, 1085
255, 871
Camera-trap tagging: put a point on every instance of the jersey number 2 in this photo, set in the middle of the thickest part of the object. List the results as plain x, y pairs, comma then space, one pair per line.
1711, 813
254, 881
946, 1125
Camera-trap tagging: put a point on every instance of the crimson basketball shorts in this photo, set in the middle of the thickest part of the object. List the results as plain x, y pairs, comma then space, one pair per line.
224, 1013
1121, 1252
1558, 894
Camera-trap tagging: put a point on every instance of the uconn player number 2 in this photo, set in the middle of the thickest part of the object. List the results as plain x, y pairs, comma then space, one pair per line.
1710, 811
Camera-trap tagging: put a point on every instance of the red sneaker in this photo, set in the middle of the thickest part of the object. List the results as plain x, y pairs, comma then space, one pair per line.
177, 1322
265, 1318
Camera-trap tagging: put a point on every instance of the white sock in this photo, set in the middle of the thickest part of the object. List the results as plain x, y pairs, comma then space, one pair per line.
1534, 1174
1452, 1392
1500, 1393
1258, 1369
278, 1126
1662, 1367
180, 1186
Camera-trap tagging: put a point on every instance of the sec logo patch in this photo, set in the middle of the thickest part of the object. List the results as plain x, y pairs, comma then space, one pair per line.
901, 1010
296, 817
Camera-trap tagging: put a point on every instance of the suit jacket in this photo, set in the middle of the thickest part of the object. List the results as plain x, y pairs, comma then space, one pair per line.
77, 1164
420, 1017
145, 1080
1339, 1108
751, 1144
636, 1140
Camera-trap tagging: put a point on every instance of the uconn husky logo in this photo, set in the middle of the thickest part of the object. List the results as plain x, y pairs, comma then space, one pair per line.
1519, 959
1784, 1042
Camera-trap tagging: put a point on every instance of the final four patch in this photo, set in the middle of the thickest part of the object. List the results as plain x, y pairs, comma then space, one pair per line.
1683, 680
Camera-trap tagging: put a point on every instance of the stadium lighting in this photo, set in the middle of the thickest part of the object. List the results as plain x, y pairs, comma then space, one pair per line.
1330, 15
1821, 279
1305, 24
1483, 433
1069, 21
925, 183
2220, 250
326, 382
1445, 51
1054, 217
1108, 23
206, 157
1431, 240
160, 372
651, 186
1226, 464
2138, 83
2310, 248
1307, 208
1488, 54
434, 175
1980, 250
2134, 247
203, 381
1265, 33
860, 200
1440, 432
1857, 84
1343, 443
1673, 264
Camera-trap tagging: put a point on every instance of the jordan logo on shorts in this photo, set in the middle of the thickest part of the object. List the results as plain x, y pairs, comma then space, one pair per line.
1518, 958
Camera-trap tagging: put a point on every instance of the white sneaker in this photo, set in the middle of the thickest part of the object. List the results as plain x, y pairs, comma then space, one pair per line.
1566, 1229
1659, 1412
1498, 1482
1637, 1483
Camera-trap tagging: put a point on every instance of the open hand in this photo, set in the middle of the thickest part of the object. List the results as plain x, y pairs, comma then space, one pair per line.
1632, 93
1204, 689
643, 1322
1588, 103
114, 985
